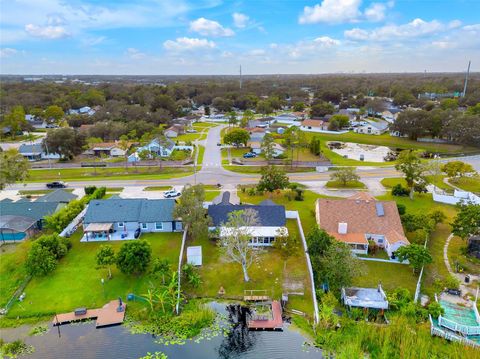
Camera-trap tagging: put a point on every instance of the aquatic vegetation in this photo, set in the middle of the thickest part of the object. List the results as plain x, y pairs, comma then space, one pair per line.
156, 355
39, 330
15, 349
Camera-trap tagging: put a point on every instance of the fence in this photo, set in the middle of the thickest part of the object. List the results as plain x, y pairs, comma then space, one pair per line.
294, 215
72, 227
461, 328
180, 260
457, 197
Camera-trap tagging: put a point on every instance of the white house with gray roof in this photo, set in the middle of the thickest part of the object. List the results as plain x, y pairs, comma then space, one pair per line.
158, 147
116, 219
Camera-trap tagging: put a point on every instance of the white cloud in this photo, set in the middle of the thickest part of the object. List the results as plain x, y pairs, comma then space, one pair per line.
7, 52
135, 54
240, 20
304, 49
375, 12
413, 29
331, 11
188, 44
207, 27
326, 41
47, 32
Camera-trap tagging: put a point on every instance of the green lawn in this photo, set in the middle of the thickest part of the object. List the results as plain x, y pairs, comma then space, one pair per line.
76, 280
203, 125
351, 184
201, 153
390, 182
190, 137
211, 194
12, 271
390, 275
157, 188
90, 174
266, 273
456, 255
471, 184
34, 192
258, 169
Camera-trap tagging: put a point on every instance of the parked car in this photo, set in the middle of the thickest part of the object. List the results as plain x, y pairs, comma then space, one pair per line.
219, 144
249, 155
171, 193
56, 184
454, 292
191, 130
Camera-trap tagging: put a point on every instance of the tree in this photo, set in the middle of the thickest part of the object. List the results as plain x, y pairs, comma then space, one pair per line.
467, 221
417, 255
338, 122
298, 106
15, 120
237, 137
161, 267
248, 115
268, 146
264, 107
165, 102
321, 109
232, 118
375, 106
285, 244
54, 113
345, 175
124, 145
106, 257
190, 210
272, 179
318, 241
474, 110
40, 261
315, 147
66, 142
294, 138
410, 164
134, 257
449, 104
13, 167
235, 241
222, 104
457, 169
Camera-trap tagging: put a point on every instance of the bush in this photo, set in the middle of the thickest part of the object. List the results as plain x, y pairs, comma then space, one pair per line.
44, 254
290, 195
299, 194
451, 282
134, 257
251, 192
401, 208
419, 236
89, 190
399, 191
435, 309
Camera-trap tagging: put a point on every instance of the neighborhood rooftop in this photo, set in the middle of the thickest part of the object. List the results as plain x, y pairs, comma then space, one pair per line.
58, 195
269, 215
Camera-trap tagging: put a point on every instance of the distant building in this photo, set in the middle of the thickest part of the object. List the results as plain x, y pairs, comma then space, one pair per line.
372, 128
36, 152
111, 149
314, 126
174, 131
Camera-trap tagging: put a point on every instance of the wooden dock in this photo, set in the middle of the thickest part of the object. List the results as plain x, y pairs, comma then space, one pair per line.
106, 316
276, 323
255, 295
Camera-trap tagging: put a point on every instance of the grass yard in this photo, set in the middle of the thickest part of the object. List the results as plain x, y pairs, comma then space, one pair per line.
268, 272
76, 280
12, 271
390, 182
211, 194
157, 188
456, 255
471, 184
258, 169
201, 154
390, 275
90, 174
203, 125
36, 192
190, 137
351, 184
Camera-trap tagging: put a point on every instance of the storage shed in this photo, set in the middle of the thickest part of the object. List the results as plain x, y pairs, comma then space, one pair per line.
194, 255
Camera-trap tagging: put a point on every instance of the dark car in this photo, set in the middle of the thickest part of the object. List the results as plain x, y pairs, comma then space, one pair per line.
56, 184
219, 144
249, 155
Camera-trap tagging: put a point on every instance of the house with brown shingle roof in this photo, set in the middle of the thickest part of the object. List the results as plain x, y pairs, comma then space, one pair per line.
356, 220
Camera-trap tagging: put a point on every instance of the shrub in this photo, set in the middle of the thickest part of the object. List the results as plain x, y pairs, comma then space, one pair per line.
299, 194
401, 208
399, 191
89, 190
419, 236
435, 309
290, 195
451, 282
251, 192
40, 261
134, 257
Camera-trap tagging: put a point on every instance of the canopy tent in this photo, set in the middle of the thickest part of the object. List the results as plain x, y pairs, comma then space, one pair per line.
98, 227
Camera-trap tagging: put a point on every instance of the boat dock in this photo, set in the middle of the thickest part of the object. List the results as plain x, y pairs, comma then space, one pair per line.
276, 323
106, 316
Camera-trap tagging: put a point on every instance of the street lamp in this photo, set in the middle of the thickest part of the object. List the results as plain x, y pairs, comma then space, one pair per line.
103, 286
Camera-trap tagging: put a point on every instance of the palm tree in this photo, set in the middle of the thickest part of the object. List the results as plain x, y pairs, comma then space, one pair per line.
124, 145
162, 298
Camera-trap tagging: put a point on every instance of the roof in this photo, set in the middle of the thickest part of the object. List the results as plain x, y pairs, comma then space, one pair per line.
59, 196
380, 125
176, 128
35, 148
106, 145
98, 227
362, 215
365, 297
312, 123
34, 210
16, 223
268, 215
130, 210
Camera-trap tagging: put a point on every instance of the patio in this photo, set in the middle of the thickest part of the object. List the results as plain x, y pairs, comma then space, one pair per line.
101, 232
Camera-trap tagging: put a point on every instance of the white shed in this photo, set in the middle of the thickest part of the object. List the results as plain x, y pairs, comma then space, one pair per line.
194, 255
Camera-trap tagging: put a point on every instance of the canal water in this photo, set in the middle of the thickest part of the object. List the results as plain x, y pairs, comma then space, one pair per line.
83, 341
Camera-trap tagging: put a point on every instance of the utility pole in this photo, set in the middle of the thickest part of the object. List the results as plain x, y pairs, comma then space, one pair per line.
240, 77
466, 79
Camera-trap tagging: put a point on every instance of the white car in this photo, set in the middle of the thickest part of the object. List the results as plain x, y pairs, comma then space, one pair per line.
171, 193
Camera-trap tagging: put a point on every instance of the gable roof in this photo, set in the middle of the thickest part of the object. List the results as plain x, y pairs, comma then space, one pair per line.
34, 210
312, 123
35, 148
271, 215
130, 210
363, 215
59, 196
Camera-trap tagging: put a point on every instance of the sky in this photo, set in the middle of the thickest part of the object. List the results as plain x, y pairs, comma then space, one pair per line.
177, 37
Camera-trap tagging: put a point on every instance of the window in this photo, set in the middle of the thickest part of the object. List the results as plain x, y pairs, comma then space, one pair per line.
380, 240
120, 224
144, 226
158, 226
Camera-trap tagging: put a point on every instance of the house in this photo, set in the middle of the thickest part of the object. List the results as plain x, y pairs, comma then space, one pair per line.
174, 131
113, 219
364, 298
111, 149
86, 110
35, 152
314, 126
271, 220
288, 118
391, 114
35, 122
216, 118
22, 219
372, 128
359, 219
158, 147
256, 147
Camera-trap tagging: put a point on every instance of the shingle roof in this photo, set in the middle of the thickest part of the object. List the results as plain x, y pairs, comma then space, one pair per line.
130, 210
35, 148
312, 123
59, 196
360, 214
35, 210
268, 215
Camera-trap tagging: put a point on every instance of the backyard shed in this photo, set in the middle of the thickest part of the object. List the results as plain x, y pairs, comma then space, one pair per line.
194, 255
